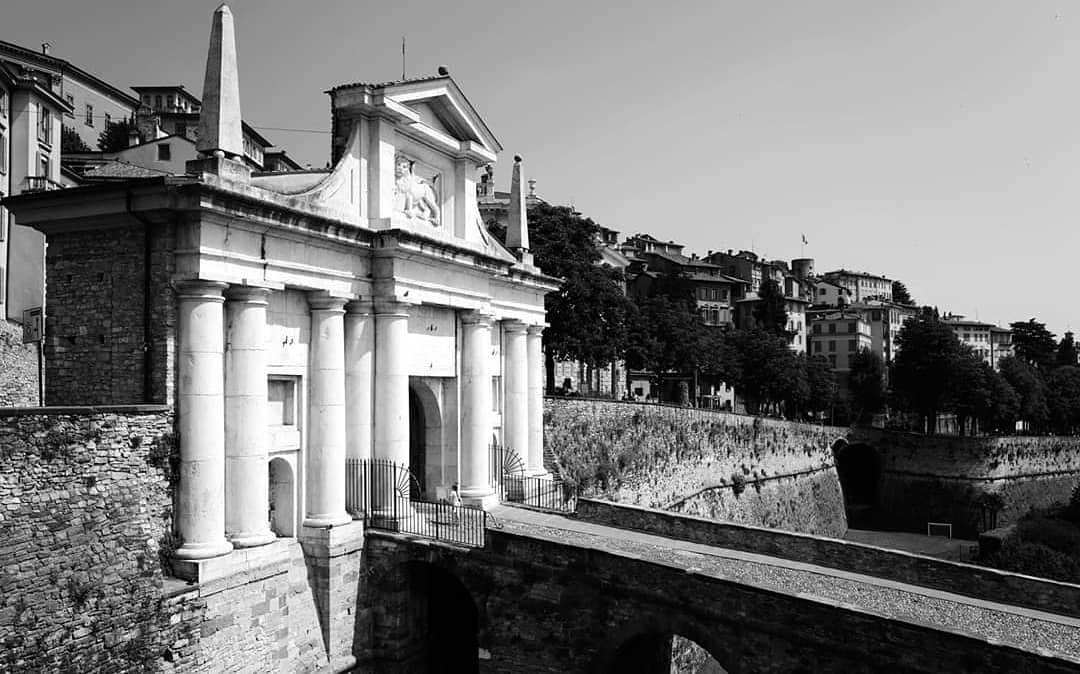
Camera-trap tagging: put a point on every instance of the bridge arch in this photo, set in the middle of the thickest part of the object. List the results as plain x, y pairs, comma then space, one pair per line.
645, 645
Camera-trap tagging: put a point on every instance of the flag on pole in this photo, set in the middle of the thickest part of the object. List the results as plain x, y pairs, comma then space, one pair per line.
804, 239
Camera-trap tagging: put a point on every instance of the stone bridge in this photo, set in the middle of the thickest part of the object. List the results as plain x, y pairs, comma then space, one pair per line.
553, 593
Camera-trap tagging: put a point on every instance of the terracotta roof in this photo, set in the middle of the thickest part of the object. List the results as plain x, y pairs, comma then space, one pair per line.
117, 169
379, 85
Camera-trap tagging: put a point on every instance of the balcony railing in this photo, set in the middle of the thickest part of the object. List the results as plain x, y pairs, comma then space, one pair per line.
512, 485
40, 184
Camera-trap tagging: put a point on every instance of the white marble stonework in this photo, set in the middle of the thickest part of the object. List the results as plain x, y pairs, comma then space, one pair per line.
370, 315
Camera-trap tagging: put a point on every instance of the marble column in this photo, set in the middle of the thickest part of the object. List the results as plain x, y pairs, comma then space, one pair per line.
476, 408
325, 464
392, 382
246, 471
359, 393
200, 510
516, 382
534, 462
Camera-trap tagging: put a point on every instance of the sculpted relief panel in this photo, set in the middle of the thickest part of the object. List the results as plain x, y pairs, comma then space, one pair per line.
416, 198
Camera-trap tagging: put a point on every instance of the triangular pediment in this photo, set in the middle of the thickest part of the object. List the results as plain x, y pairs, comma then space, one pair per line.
441, 106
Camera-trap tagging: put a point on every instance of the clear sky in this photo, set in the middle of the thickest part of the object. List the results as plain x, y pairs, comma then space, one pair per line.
935, 143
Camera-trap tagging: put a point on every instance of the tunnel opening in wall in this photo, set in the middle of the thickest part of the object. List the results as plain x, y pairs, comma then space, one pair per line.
657, 647
859, 468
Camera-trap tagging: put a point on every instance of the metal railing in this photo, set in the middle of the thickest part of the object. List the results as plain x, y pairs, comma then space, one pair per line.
506, 471
381, 492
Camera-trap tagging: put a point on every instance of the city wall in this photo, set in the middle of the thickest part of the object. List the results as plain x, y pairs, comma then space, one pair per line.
85, 522
948, 479
750, 470
18, 367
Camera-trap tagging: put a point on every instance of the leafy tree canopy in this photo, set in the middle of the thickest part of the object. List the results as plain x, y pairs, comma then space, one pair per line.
1034, 344
866, 381
770, 311
1066, 353
900, 294
1030, 390
71, 141
926, 360
115, 136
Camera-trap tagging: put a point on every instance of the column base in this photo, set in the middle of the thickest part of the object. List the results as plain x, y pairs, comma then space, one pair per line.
252, 539
537, 472
203, 550
482, 497
321, 521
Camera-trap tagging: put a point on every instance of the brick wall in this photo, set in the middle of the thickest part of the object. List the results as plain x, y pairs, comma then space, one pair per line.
719, 465
18, 368
95, 339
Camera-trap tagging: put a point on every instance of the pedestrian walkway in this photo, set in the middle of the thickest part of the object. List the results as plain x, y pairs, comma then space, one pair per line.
1024, 628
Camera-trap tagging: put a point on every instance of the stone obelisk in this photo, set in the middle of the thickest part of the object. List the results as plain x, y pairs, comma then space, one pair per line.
517, 226
221, 136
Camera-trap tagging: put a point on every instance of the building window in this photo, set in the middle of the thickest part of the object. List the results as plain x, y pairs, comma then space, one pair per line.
832, 359
281, 402
3, 153
70, 101
817, 347
43, 165
108, 120
89, 114
163, 152
851, 327
832, 328
169, 102
832, 345
851, 345
146, 99
817, 328
44, 133
157, 102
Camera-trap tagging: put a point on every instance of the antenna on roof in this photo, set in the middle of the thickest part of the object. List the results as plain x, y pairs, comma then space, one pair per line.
402, 57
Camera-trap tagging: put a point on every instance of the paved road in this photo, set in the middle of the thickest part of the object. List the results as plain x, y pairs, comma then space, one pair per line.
1022, 627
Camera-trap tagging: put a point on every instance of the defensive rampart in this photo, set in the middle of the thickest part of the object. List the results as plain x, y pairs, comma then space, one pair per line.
718, 465
974, 483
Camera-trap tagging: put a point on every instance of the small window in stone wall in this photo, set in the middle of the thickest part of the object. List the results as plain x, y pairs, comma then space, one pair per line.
164, 152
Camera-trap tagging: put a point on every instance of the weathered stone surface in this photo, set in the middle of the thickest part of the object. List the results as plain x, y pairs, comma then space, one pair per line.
712, 464
18, 367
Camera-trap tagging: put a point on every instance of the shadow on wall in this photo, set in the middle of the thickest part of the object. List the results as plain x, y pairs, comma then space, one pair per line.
859, 468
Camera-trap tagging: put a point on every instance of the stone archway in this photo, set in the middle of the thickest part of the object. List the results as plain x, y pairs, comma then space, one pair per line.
660, 645
858, 466
425, 438
282, 497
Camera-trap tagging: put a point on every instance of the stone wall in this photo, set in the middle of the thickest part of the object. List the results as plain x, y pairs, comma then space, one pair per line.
966, 579
96, 349
85, 532
718, 465
946, 478
18, 368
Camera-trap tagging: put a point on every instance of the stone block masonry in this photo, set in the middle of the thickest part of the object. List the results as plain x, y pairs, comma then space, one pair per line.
98, 349
717, 465
85, 535
18, 368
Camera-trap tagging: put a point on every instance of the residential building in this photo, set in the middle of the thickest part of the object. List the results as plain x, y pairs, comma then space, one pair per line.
91, 103
31, 113
988, 341
885, 319
839, 335
830, 294
863, 286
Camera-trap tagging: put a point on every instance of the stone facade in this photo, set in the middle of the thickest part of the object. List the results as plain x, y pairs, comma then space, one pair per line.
18, 368
713, 464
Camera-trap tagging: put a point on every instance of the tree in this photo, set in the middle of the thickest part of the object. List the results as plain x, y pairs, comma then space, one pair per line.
970, 389
926, 360
71, 141
1064, 399
770, 311
1030, 389
866, 381
821, 383
116, 136
763, 369
1034, 344
900, 294
1066, 353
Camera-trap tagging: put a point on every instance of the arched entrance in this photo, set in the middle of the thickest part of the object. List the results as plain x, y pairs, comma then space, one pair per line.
438, 626
282, 498
859, 468
660, 646
426, 460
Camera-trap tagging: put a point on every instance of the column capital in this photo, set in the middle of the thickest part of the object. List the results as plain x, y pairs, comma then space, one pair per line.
513, 325
391, 306
320, 300
477, 317
537, 329
360, 307
210, 291
248, 294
